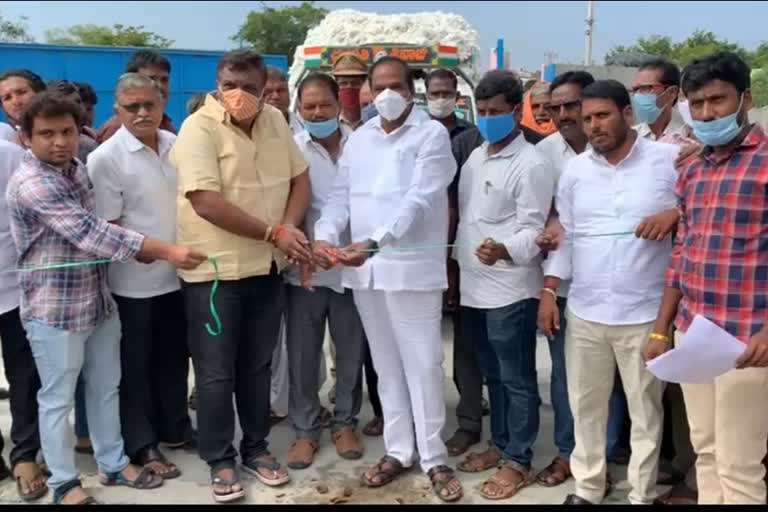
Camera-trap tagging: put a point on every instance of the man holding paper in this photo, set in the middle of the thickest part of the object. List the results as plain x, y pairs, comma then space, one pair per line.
719, 270
617, 282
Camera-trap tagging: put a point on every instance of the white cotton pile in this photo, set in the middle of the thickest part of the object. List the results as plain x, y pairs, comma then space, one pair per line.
347, 27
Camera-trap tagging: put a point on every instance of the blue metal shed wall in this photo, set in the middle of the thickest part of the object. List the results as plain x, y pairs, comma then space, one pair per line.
192, 71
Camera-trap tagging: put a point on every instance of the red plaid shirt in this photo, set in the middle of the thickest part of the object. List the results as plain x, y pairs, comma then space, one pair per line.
720, 258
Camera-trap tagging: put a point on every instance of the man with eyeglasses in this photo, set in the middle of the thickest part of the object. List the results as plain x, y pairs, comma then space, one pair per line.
158, 69
242, 189
135, 186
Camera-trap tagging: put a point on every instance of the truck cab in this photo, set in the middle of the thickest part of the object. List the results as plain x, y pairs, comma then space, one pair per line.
426, 58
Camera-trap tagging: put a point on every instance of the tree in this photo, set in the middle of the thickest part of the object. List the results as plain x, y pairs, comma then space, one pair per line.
97, 35
653, 45
280, 30
14, 31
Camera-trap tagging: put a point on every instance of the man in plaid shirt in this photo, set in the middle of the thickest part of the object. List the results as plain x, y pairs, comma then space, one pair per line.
68, 313
719, 270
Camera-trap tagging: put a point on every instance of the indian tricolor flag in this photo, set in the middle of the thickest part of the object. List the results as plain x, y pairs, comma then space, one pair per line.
448, 55
313, 57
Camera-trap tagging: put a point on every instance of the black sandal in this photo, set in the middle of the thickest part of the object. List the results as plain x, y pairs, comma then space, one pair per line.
385, 476
61, 492
146, 479
217, 480
440, 485
151, 454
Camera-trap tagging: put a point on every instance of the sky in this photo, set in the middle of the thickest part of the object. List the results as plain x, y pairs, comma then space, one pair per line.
530, 29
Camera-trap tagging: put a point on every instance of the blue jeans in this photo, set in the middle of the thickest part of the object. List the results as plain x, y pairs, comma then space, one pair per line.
505, 343
60, 356
81, 417
564, 439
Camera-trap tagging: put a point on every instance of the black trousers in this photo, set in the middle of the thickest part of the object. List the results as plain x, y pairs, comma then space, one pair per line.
24, 383
236, 361
154, 370
468, 379
371, 380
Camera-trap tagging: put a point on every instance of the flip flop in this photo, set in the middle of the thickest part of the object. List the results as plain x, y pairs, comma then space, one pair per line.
146, 479
33, 495
217, 480
253, 465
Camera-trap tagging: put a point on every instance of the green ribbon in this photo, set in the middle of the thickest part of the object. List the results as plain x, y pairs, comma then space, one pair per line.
212, 297
214, 313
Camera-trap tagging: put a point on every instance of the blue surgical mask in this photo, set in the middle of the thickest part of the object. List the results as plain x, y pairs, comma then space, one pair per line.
646, 110
718, 132
495, 128
322, 129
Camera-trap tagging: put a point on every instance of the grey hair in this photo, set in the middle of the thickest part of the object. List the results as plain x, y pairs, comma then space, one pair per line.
134, 81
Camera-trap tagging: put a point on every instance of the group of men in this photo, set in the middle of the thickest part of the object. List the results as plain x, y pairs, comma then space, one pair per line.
364, 213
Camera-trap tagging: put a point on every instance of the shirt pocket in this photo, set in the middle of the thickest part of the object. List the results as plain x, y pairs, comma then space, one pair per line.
393, 172
495, 206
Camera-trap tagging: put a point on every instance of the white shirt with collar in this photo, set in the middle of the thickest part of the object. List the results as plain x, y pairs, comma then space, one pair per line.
392, 188
7, 132
616, 280
10, 293
507, 197
675, 130
559, 153
137, 187
295, 123
322, 174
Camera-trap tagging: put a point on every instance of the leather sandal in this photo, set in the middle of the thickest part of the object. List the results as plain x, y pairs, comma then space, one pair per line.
477, 462
302, 454
510, 478
461, 441
61, 492
387, 469
146, 479
151, 454
28, 472
347, 444
375, 427
441, 484
555, 474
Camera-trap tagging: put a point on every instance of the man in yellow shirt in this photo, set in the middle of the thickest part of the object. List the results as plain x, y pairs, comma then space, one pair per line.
242, 189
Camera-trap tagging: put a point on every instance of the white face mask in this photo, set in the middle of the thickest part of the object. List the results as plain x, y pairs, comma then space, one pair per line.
390, 105
685, 112
441, 108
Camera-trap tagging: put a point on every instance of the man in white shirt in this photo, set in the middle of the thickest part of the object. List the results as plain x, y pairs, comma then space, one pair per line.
7, 132
20, 370
559, 148
505, 193
391, 192
135, 187
307, 311
603, 198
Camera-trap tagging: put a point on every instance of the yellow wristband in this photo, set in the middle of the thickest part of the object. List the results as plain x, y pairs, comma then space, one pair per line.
659, 337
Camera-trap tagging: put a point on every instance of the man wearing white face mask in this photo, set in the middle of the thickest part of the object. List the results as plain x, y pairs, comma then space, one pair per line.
442, 94
242, 190
391, 193
307, 310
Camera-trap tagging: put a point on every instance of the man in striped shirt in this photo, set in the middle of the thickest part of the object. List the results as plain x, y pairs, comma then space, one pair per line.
719, 270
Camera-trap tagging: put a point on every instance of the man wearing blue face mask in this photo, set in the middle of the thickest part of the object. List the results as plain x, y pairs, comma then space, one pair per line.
311, 301
505, 192
718, 271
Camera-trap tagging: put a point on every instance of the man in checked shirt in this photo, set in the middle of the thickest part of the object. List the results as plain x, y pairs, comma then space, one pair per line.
68, 313
719, 269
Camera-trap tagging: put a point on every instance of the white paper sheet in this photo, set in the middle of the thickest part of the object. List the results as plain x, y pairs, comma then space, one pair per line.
706, 352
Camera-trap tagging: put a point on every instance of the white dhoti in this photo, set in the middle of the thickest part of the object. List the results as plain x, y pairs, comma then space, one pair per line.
403, 330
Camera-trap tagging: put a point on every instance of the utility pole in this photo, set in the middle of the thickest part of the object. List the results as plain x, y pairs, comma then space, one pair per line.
590, 29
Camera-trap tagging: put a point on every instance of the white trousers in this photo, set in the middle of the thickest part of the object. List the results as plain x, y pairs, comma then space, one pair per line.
592, 352
403, 330
280, 378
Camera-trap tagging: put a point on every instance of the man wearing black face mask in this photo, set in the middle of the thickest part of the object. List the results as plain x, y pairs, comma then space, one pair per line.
718, 271
505, 193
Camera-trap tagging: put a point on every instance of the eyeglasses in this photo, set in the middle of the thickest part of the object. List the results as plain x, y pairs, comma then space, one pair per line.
134, 108
571, 106
647, 89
